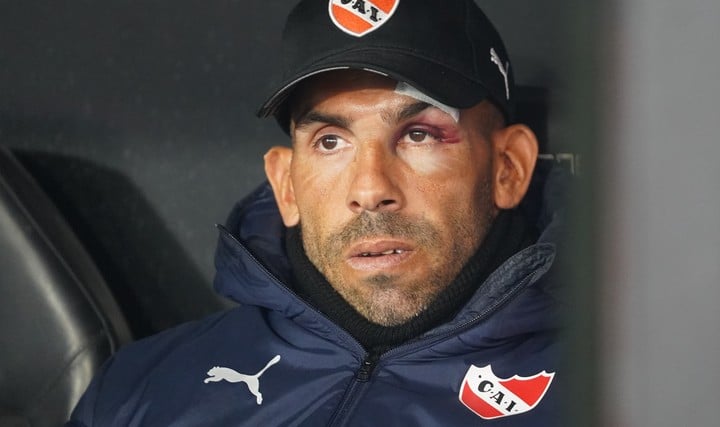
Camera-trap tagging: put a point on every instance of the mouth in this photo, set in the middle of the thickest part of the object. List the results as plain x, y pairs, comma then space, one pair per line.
388, 252
379, 255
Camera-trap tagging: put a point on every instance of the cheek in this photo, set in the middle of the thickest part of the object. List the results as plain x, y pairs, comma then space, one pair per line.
456, 191
427, 164
450, 167
311, 172
317, 193
433, 160
312, 180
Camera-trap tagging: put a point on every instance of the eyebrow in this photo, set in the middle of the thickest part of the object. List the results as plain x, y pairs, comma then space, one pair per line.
311, 117
406, 112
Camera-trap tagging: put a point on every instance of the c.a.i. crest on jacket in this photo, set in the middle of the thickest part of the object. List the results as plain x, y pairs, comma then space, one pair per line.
491, 397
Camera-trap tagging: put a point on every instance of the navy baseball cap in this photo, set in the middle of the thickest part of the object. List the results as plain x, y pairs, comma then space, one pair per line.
448, 49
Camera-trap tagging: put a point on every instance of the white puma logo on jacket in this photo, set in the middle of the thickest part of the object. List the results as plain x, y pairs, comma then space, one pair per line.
219, 373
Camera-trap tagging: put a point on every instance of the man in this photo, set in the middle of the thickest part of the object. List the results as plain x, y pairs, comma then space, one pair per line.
386, 275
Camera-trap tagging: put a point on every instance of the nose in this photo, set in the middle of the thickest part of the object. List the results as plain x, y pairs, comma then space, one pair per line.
374, 183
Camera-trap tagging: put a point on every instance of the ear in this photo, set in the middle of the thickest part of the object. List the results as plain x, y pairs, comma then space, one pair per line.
516, 150
277, 170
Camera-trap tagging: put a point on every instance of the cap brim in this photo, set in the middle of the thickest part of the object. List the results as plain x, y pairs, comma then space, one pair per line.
444, 84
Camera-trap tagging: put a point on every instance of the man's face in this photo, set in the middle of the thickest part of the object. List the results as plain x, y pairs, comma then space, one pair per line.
392, 195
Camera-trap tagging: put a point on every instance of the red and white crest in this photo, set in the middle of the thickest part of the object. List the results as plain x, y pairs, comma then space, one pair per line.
360, 17
491, 397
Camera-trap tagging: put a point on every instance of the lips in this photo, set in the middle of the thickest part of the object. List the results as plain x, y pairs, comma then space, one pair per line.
388, 252
379, 255
379, 248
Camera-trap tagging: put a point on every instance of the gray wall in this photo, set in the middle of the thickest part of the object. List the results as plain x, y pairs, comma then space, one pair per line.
661, 228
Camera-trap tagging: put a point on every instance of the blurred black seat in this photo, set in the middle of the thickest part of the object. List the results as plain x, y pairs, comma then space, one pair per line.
58, 320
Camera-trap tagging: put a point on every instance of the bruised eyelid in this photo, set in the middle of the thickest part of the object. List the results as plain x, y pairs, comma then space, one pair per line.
440, 130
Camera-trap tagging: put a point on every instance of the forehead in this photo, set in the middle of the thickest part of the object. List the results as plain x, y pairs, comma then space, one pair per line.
315, 89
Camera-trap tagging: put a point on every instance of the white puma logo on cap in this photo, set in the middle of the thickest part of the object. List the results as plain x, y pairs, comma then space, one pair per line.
219, 373
504, 69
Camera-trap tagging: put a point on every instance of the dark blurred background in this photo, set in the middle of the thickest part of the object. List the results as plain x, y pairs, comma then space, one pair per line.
137, 118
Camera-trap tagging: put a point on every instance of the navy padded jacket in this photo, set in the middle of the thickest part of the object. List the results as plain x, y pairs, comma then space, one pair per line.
275, 361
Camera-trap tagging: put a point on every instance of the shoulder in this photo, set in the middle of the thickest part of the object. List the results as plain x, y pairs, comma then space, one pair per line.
124, 376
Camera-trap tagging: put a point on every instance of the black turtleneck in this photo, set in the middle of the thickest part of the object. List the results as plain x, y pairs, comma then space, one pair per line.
508, 234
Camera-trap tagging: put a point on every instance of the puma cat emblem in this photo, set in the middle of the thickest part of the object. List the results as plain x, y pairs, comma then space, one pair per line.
219, 373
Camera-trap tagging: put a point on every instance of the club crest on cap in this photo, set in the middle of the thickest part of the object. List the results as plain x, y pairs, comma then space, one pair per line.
360, 17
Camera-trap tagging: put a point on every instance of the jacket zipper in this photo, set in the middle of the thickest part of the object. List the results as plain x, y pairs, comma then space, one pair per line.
367, 367
355, 390
364, 374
